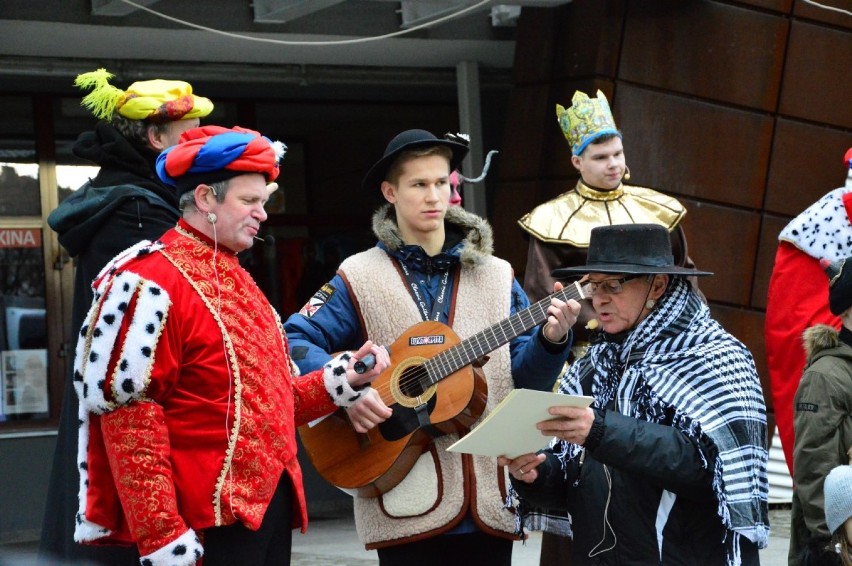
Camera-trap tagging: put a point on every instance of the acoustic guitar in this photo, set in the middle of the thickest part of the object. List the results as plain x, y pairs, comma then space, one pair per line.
432, 388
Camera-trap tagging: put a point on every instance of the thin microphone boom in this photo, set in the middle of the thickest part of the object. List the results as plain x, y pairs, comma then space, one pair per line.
269, 282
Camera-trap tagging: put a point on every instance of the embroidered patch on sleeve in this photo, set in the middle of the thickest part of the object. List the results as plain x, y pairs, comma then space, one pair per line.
319, 300
299, 352
807, 407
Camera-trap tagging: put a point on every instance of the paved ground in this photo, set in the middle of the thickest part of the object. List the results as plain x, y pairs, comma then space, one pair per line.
332, 542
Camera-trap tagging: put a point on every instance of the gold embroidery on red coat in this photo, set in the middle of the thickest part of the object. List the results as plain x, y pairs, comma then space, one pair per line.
259, 445
144, 482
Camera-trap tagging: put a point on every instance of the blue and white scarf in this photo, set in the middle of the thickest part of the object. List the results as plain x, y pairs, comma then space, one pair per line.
680, 361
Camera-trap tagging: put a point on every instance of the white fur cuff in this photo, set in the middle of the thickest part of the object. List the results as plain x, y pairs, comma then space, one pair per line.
185, 550
87, 531
334, 375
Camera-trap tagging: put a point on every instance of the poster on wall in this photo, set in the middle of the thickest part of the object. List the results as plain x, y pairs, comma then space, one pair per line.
24, 381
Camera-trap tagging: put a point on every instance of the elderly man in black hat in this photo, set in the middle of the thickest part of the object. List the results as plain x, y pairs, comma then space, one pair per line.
668, 466
433, 263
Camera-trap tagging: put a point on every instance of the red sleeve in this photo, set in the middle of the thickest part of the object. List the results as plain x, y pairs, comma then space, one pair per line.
310, 398
137, 443
797, 299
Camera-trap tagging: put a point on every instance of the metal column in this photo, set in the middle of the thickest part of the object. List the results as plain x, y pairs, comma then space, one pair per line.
470, 121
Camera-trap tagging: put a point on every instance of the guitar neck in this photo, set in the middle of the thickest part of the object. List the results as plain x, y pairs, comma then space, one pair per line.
488, 340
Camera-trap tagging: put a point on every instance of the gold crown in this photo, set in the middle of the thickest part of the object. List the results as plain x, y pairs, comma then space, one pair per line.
586, 119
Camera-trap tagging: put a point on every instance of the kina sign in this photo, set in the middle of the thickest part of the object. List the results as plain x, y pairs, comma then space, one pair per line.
20, 238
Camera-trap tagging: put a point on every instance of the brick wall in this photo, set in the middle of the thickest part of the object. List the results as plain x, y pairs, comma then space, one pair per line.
740, 110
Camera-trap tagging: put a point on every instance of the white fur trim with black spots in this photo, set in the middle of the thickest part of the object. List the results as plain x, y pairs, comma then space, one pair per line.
334, 376
84, 529
136, 250
101, 335
133, 370
137, 345
185, 550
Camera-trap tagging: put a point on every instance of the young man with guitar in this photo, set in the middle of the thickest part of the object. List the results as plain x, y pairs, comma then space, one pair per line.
430, 282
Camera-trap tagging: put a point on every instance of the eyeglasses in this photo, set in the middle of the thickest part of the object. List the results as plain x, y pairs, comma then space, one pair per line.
608, 286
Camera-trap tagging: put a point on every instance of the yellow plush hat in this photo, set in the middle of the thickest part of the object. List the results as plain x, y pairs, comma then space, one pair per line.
157, 100
586, 120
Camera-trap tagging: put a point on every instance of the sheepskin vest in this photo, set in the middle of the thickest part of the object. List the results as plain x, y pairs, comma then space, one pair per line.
442, 486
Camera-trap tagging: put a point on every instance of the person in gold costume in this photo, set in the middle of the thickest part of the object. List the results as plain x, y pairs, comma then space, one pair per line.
560, 228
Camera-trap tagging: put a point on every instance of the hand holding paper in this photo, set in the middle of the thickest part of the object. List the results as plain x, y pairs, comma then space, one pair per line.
510, 430
571, 424
523, 468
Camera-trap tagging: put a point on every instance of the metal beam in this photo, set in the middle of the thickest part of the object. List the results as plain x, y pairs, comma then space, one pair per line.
117, 7
416, 12
281, 11
25, 71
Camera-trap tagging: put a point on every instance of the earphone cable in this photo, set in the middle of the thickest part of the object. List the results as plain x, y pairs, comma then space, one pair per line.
227, 366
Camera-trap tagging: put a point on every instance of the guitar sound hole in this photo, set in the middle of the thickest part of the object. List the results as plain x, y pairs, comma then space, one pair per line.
412, 381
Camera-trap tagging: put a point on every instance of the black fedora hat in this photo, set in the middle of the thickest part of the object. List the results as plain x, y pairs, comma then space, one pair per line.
631, 249
410, 139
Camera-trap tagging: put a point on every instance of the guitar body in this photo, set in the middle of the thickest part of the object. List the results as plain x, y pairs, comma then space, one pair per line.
376, 462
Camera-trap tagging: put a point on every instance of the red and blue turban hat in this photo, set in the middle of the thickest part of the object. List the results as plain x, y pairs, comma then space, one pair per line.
210, 154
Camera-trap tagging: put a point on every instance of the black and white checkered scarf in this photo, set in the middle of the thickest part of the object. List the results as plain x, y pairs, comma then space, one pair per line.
680, 361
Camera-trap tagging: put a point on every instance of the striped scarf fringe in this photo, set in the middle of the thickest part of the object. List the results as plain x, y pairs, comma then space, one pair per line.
682, 363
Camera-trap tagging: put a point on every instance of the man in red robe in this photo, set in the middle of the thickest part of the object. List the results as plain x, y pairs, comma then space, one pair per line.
798, 296
188, 397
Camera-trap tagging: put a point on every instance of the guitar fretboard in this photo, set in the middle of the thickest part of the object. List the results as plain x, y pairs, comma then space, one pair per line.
488, 340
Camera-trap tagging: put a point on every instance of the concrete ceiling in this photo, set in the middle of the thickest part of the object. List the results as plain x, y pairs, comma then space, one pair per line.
259, 42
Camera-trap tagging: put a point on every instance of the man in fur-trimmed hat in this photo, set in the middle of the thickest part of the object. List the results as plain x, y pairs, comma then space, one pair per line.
822, 419
188, 397
433, 262
123, 204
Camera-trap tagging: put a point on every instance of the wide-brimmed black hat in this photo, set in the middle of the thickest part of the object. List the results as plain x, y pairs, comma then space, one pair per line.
410, 139
629, 248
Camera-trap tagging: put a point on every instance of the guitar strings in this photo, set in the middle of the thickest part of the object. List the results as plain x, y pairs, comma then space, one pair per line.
455, 353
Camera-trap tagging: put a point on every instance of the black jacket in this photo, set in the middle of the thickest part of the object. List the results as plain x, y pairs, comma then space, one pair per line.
124, 204
635, 474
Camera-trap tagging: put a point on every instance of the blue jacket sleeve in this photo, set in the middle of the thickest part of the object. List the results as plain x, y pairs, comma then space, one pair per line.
326, 325
534, 364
